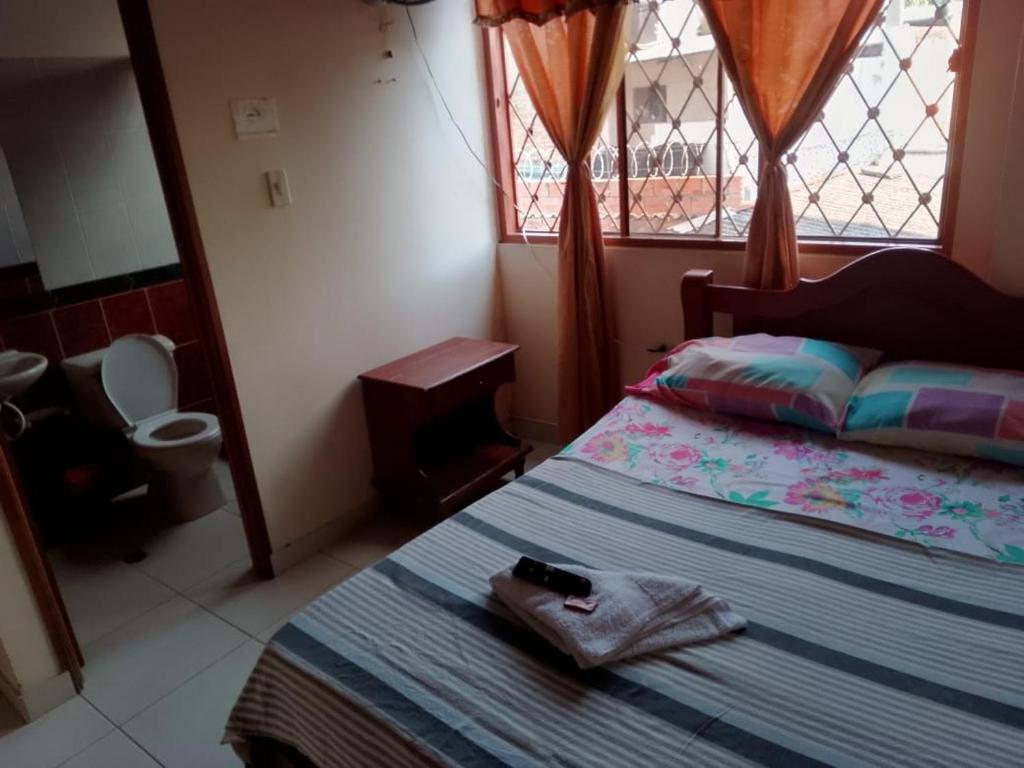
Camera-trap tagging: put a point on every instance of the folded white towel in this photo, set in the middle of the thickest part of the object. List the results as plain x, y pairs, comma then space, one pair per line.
636, 613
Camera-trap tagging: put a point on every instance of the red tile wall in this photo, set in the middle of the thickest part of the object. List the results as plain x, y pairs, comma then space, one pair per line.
76, 328
128, 313
172, 312
81, 328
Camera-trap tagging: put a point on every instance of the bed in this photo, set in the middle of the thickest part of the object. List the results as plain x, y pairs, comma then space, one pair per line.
861, 648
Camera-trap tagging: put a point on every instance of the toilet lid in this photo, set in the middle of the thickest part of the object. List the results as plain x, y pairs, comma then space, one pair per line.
140, 377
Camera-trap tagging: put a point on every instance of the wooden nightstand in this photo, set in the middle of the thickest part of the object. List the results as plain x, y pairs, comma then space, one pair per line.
436, 442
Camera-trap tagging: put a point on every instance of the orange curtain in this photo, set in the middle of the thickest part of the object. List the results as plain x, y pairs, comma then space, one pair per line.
491, 13
784, 58
571, 67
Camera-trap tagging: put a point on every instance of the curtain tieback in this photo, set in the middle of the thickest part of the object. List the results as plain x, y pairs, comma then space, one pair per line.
578, 169
772, 168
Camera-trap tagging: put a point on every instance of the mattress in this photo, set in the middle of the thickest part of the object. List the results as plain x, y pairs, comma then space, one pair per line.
860, 650
936, 500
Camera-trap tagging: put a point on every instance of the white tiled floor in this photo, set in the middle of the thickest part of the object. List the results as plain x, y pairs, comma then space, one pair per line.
190, 552
141, 662
183, 730
370, 543
56, 737
254, 606
102, 596
114, 749
169, 642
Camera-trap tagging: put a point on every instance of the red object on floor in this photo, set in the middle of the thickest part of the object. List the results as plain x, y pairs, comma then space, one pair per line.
82, 477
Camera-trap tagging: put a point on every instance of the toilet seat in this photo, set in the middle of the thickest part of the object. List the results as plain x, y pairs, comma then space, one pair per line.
140, 378
177, 428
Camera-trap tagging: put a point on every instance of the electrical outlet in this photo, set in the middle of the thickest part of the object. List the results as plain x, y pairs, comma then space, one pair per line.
277, 187
254, 117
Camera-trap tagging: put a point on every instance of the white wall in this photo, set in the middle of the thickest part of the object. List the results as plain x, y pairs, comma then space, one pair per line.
993, 141
37, 28
15, 244
76, 142
1008, 248
644, 282
645, 289
388, 246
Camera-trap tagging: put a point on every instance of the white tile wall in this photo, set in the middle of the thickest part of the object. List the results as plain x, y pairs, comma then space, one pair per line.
89, 160
134, 163
8, 250
15, 245
109, 242
57, 238
80, 159
152, 230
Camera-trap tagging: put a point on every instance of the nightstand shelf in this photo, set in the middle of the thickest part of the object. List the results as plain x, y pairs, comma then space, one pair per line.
437, 444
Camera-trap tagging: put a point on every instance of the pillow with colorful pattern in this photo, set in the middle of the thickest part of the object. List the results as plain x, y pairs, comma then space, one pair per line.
940, 407
799, 381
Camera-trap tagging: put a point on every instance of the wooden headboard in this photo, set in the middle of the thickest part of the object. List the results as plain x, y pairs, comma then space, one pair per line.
908, 302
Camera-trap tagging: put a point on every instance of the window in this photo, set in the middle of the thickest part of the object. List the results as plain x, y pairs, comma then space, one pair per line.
872, 168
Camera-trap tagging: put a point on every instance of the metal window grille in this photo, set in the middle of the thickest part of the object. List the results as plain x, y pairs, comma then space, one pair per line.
677, 156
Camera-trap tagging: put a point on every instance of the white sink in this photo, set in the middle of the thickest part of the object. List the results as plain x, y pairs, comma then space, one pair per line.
19, 371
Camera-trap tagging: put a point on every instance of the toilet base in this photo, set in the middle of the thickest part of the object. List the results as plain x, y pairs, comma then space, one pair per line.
186, 498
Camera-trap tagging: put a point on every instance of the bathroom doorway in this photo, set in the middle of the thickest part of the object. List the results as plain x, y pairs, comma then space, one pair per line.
102, 253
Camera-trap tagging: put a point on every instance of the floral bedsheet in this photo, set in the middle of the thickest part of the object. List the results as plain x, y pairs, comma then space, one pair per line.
952, 502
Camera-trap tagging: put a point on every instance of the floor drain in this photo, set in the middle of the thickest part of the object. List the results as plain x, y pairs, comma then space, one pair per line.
135, 557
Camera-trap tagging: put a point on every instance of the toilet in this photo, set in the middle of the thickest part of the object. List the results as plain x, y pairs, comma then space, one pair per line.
139, 382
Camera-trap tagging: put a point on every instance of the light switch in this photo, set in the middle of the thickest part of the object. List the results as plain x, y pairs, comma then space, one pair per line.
254, 117
277, 186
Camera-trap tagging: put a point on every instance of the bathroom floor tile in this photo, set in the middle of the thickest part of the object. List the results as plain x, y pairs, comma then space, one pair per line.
240, 598
55, 737
374, 540
125, 526
223, 471
140, 662
184, 729
183, 554
101, 594
114, 749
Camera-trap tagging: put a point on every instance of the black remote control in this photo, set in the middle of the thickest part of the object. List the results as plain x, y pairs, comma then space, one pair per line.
555, 579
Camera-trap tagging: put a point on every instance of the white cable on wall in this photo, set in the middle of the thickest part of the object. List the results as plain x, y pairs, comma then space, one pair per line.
462, 133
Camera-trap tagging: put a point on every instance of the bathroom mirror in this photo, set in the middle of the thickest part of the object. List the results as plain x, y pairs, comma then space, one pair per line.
79, 182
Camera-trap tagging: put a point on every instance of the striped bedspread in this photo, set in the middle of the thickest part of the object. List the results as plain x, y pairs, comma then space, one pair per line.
868, 652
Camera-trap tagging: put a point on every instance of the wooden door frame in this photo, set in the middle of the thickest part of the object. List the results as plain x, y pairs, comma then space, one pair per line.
156, 104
